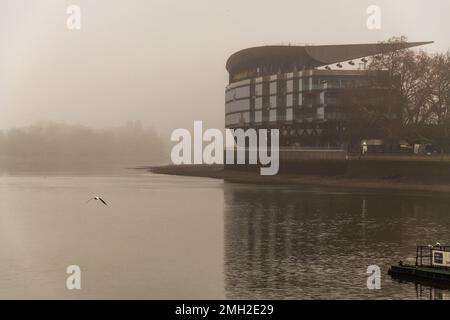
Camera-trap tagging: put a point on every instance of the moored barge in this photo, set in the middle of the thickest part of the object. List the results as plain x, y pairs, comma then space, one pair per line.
432, 265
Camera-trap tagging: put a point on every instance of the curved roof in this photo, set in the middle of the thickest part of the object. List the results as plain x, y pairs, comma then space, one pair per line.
311, 56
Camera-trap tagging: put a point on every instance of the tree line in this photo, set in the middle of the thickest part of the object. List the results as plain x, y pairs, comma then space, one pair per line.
49, 141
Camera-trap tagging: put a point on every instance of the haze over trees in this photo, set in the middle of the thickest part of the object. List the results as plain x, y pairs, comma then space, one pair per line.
53, 146
415, 87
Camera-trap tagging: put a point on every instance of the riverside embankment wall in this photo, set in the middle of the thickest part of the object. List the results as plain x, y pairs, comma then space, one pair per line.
337, 162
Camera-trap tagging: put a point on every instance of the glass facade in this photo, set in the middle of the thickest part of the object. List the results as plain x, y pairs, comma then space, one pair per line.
304, 104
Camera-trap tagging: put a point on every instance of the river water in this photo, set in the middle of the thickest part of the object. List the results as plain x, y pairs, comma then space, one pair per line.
169, 237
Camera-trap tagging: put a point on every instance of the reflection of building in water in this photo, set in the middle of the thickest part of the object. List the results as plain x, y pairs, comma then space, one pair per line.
255, 239
431, 293
278, 244
283, 242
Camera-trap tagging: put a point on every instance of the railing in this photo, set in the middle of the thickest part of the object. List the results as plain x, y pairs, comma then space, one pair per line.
426, 252
296, 153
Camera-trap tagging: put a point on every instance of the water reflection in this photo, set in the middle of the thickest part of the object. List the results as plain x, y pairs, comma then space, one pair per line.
287, 242
431, 293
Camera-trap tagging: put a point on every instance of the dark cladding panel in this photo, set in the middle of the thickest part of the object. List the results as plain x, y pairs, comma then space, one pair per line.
258, 61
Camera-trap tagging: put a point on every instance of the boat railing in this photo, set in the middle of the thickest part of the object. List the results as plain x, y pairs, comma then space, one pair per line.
424, 254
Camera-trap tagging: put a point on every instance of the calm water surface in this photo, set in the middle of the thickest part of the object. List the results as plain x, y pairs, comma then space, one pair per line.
167, 237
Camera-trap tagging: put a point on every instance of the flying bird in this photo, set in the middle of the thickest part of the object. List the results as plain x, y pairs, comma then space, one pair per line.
98, 198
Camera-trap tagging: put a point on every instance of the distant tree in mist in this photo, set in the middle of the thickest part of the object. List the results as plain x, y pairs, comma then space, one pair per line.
43, 140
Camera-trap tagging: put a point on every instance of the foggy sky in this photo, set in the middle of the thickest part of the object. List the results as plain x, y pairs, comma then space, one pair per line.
163, 61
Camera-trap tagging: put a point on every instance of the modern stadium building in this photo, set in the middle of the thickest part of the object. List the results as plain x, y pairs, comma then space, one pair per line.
296, 89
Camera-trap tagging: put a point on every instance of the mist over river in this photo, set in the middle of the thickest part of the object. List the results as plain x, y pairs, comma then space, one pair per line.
170, 237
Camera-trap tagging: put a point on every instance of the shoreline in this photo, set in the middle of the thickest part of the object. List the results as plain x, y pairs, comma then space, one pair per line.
343, 181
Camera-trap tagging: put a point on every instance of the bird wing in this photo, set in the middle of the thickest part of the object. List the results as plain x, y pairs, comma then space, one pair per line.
102, 201
90, 200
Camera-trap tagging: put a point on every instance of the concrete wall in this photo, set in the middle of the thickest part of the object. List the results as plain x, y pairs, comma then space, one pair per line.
304, 161
333, 162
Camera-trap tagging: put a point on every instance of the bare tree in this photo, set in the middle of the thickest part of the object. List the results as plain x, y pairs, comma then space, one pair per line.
407, 78
440, 100
408, 97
